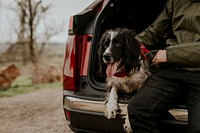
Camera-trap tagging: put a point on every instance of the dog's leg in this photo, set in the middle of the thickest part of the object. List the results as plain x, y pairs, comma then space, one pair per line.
127, 125
112, 107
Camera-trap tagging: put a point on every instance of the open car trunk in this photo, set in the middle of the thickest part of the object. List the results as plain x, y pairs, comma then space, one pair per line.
134, 15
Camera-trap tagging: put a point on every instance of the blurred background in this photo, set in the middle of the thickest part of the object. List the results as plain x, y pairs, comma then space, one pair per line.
33, 35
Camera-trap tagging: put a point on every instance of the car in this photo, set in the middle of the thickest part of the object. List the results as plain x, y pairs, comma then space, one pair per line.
83, 90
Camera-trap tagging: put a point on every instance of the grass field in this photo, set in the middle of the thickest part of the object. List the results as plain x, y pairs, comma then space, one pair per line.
23, 83
22, 89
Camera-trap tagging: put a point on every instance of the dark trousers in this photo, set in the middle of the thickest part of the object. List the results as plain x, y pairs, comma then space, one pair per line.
162, 91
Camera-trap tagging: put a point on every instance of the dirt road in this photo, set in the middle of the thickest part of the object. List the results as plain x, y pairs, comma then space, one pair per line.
38, 112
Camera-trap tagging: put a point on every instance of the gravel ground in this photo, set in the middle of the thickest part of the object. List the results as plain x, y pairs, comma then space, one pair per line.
37, 112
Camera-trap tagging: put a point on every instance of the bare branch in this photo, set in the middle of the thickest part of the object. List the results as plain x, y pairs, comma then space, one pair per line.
30, 13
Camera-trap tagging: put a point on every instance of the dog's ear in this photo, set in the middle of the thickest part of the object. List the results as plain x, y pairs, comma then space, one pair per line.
102, 66
132, 50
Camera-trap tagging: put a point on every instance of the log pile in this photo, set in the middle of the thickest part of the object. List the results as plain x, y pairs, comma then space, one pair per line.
47, 74
7, 75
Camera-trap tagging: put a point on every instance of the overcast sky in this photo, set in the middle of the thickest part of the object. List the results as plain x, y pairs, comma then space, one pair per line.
59, 13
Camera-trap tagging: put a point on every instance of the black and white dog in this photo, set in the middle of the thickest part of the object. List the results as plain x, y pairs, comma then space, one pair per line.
127, 67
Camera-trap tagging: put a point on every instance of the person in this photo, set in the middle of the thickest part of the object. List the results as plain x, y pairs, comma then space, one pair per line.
179, 79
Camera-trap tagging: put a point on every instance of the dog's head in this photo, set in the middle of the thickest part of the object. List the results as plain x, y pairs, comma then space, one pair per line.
119, 45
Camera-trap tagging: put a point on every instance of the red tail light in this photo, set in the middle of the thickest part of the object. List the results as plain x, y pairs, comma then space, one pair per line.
68, 115
72, 62
76, 60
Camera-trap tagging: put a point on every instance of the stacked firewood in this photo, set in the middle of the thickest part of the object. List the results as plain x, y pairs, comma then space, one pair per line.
7, 75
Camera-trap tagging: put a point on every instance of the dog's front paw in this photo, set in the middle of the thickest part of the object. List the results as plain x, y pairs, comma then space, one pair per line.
127, 125
112, 109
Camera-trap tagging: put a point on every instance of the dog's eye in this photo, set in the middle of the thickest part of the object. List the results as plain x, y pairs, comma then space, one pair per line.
117, 44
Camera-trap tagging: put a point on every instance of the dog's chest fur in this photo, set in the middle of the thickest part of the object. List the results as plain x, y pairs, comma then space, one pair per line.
132, 82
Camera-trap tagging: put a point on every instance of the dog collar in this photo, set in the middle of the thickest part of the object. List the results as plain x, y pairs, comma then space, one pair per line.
120, 74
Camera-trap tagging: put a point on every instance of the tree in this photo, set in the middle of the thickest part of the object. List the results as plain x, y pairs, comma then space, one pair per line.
30, 13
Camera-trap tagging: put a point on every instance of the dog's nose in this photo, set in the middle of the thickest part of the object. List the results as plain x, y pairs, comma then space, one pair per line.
107, 56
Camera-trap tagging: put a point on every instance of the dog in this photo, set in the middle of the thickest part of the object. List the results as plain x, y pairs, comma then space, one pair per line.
126, 67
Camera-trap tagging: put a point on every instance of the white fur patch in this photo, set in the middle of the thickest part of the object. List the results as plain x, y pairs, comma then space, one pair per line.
127, 125
111, 106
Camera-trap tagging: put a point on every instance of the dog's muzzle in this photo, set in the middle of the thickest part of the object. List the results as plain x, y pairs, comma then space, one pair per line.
107, 57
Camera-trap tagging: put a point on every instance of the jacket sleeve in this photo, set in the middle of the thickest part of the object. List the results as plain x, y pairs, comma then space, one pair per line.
184, 55
160, 29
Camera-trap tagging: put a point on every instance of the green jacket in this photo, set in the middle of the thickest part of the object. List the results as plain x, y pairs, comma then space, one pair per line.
182, 18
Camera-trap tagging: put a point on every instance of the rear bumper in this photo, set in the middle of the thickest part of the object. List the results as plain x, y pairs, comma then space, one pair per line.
87, 116
97, 107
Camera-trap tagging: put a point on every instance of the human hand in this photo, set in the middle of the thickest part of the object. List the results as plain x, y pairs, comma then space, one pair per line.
160, 57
